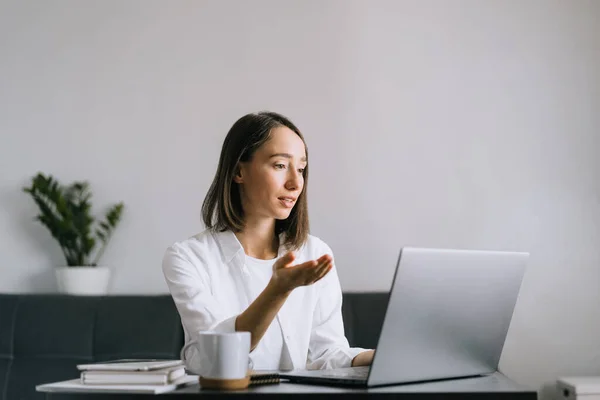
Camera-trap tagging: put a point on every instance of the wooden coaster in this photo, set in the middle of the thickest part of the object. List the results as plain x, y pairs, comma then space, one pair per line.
224, 384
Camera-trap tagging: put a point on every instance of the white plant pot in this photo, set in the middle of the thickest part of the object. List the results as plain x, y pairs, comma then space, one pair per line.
86, 281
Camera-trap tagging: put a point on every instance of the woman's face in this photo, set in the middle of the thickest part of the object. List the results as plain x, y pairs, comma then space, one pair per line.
271, 182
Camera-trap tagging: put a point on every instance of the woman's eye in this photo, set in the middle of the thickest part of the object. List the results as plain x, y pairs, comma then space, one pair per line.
301, 170
279, 166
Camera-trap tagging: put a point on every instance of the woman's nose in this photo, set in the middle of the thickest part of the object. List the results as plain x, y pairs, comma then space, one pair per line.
294, 180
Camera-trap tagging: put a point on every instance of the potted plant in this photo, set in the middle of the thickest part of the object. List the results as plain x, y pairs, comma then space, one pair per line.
66, 212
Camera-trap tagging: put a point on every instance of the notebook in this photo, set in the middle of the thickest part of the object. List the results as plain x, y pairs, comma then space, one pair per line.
257, 378
130, 365
161, 376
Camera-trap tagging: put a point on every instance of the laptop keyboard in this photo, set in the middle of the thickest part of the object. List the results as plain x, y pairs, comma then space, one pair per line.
352, 373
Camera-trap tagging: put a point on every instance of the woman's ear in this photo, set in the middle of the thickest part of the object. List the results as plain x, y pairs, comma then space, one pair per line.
237, 178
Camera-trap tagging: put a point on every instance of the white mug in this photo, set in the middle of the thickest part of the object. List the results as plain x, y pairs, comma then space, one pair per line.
221, 355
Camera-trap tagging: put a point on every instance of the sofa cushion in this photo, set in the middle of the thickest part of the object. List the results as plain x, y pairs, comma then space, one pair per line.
8, 309
137, 327
44, 337
27, 372
363, 315
55, 326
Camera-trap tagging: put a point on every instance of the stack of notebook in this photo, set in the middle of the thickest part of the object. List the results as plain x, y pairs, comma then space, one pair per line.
132, 372
126, 376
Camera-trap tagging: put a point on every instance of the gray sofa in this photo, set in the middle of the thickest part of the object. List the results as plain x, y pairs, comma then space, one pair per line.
43, 337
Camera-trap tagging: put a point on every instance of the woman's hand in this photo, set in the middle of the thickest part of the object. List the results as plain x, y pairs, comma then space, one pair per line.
286, 277
363, 359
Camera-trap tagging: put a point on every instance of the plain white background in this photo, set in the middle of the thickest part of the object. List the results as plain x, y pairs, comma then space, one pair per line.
470, 124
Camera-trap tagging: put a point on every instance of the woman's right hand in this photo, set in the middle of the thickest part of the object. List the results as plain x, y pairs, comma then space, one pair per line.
286, 277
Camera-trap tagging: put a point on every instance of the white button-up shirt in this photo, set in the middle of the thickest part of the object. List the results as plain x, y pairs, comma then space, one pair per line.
208, 280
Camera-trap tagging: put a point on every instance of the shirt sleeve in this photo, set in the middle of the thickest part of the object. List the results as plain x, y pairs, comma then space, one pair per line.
328, 346
189, 286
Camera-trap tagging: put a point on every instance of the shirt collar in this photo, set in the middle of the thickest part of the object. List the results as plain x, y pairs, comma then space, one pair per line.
231, 246
228, 243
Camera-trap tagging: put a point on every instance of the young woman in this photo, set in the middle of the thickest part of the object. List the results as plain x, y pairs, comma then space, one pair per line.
256, 268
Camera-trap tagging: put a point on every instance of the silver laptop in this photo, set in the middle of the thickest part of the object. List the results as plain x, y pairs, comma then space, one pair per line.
447, 317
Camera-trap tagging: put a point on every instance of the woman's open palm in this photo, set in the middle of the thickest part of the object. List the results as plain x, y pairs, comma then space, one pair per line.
286, 277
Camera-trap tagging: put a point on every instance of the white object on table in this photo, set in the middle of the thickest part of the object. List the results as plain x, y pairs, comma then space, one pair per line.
578, 388
75, 385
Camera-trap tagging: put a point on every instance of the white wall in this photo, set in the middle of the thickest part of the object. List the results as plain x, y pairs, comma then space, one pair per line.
437, 123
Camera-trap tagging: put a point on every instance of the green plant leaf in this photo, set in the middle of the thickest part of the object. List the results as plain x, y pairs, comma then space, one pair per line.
67, 213
106, 227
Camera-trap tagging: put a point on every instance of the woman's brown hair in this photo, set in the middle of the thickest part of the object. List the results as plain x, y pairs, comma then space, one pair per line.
222, 207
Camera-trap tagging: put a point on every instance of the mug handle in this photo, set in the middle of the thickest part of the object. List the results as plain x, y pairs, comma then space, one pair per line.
193, 342
187, 345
